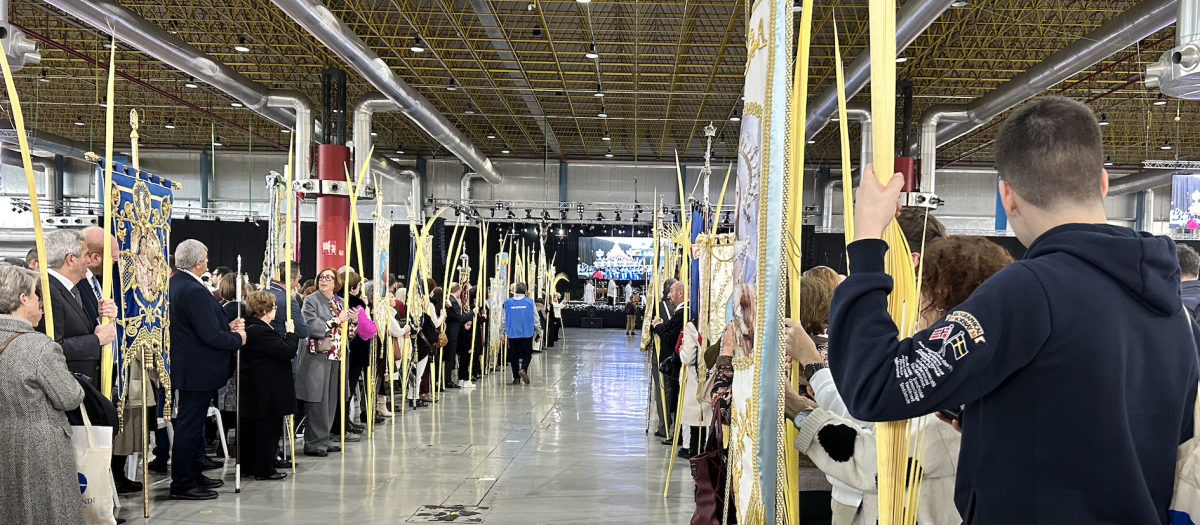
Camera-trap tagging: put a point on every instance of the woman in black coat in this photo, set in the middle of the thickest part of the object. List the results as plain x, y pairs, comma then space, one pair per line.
268, 390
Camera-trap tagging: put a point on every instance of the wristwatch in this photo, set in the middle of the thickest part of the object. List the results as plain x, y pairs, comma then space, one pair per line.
812, 368
798, 419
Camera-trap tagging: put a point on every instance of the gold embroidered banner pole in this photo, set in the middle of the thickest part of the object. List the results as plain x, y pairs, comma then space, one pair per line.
106, 351
289, 249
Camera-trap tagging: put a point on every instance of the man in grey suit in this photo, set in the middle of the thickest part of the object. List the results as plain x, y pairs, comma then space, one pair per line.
79, 334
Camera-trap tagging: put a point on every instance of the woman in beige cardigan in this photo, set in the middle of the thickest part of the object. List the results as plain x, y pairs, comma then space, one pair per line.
39, 481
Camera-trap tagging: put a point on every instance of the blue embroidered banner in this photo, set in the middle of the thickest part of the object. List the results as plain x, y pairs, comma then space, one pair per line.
142, 225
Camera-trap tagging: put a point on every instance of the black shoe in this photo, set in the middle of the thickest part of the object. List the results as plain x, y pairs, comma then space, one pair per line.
667, 442
379, 419
334, 448
417, 403
196, 493
658, 434
273, 477
128, 486
159, 467
209, 483
686, 453
356, 428
452, 385
283, 463
207, 464
316, 453
476, 378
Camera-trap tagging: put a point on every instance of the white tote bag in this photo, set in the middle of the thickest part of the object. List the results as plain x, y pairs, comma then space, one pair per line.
93, 456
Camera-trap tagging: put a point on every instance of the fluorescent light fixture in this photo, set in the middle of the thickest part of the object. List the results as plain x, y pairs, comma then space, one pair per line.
1108, 161
505, 151
735, 118
602, 114
1165, 146
901, 60
170, 124
43, 77
609, 154
1161, 100
79, 121
592, 52
491, 135
236, 104
417, 46
811, 141
241, 47
470, 110
606, 137
374, 134
285, 130
959, 3
191, 83
1103, 119
217, 144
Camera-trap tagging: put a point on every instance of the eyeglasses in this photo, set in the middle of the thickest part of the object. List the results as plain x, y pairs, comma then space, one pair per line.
325, 278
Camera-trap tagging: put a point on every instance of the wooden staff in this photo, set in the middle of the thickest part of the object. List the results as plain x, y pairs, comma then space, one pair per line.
289, 249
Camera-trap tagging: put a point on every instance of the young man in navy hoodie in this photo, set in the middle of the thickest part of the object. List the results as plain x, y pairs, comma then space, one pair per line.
1077, 365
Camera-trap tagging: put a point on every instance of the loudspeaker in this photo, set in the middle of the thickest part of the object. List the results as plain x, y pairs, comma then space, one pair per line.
593, 322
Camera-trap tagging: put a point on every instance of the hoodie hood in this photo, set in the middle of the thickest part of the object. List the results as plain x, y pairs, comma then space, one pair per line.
1145, 265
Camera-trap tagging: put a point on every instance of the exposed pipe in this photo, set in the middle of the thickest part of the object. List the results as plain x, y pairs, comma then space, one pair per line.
48, 143
860, 111
464, 185
1123, 30
337, 36
911, 20
389, 169
303, 106
1142, 180
138, 32
929, 126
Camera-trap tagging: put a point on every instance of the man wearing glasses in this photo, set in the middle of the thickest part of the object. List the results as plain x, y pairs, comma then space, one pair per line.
79, 334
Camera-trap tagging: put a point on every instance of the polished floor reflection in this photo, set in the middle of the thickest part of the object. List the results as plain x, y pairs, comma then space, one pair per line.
569, 448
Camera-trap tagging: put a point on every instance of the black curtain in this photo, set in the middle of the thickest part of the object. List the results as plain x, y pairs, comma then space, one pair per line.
225, 241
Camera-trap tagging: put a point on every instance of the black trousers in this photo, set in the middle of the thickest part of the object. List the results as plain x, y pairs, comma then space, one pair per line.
189, 438
262, 440
520, 352
446, 367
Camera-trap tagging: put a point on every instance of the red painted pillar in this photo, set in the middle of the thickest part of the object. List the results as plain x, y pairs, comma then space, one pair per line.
333, 211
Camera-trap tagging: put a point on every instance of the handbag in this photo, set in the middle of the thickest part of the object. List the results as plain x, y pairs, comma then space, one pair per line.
709, 473
93, 457
323, 345
442, 340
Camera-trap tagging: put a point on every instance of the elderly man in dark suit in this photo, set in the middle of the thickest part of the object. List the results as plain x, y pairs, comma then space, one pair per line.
79, 334
202, 346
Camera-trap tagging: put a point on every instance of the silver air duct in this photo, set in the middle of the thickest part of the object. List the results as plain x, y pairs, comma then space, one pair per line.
860, 111
1123, 30
1141, 181
911, 20
337, 36
18, 47
43, 144
138, 32
1177, 72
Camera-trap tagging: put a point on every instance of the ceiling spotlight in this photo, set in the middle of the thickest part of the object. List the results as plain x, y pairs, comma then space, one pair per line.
470, 110
43, 77
901, 60
374, 134
606, 137
491, 135
959, 3
236, 104
79, 121
1166, 145
170, 124
241, 47
453, 85
602, 113
812, 141
599, 91
1108, 161
735, 118
1103, 119
599, 216
528, 213
191, 83
609, 154
592, 52
505, 150
417, 46
1161, 100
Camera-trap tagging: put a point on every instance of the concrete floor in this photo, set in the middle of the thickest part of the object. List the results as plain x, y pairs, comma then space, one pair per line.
569, 448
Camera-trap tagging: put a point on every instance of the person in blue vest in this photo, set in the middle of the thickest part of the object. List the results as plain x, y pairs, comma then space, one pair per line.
202, 343
520, 326
1077, 365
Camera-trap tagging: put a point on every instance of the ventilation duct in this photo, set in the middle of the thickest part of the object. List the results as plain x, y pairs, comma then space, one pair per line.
1123, 30
911, 20
138, 32
337, 36
1177, 72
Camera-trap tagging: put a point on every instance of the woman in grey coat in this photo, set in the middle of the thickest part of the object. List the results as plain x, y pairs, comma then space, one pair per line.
318, 375
39, 481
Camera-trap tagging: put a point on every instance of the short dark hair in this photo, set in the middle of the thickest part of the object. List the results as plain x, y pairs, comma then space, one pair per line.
1189, 260
283, 266
667, 284
31, 256
220, 271
521, 288
919, 225
1051, 153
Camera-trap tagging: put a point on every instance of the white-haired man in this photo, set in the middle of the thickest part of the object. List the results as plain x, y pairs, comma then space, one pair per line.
79, 334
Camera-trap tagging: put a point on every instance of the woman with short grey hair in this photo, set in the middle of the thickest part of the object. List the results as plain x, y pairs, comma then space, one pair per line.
38, 475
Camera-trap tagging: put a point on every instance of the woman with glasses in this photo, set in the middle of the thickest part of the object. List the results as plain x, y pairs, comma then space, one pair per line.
318, 375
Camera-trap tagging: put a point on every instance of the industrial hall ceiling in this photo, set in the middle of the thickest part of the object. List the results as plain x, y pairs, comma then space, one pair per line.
519, 71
